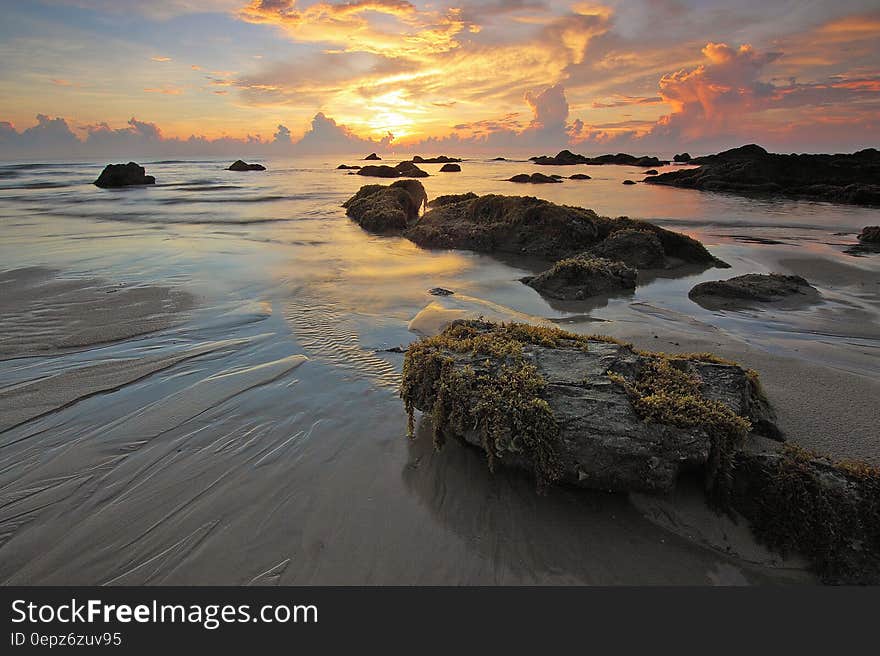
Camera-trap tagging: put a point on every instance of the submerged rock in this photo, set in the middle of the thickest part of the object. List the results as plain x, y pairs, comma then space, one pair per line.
628, 182
843, 178
440, 291
390, 209
534, 178
580, 176
754, 288
372, 157
123, 175
568, 408
450, 168
240, 165
346, 167
577, 278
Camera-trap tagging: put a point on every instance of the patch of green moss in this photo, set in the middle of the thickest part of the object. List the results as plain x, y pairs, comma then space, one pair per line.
665, 392
829, 512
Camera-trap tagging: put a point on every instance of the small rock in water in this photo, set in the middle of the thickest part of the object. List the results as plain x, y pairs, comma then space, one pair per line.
439, 291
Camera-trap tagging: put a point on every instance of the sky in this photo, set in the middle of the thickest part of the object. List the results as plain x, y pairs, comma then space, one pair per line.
167, 77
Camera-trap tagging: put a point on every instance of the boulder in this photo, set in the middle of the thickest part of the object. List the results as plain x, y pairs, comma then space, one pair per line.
563, 158
870, 235
580, 277
580, 176
346, 167
450, 168
683, 157
568, 158
534, 178
402, 170
755, 288
628, 182
410, 170
651, 172
582, 410
639, 249
387, 209
123, 175
372, 157
442, 159
842, 178
240, 165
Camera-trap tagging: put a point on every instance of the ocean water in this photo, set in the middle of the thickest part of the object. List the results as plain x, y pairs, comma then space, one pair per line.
233, 467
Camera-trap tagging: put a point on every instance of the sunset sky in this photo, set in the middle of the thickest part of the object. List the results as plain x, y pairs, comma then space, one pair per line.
103, 76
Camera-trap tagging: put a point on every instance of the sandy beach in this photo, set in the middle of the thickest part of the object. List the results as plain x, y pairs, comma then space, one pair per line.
200, 392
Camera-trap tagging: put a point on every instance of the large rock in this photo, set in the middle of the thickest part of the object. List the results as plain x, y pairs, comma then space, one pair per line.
870, 235
639, 249
843, 178
755, 288
240, 165
402, 170
441, 159
577, 278
124, 175
534, 178
387, 210
573, 409
372, 157
346, 167
682, 158
450, 168
568, 158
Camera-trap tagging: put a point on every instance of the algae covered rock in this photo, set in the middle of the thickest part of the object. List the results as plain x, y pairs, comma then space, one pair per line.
123, 175
870, 235
640, 249
387, 209
587, 411
577, 278
449, 199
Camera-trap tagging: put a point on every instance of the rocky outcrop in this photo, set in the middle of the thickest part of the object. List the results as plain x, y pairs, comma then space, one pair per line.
346, 167
534, 178
241, 165
372, 157
870, 235
449, 199
575, 409
578, 278
568, 158
402, 170
123, 175
628, 182
450, 168
579, 176
755, 288
843, 178
682, 158
387, 210
639, 249
442, 159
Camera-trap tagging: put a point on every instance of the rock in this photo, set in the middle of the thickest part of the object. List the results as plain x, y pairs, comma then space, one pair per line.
580, 176
373, 157
684, 157
843, 178
387, 210
534, 178
499, 159
442, 159
240, 165
628, 182
123, 175
577, 278
567, 158
531, 226
346, 167
402, 170
651, 172
450, 168
569, 408
449, 199
870, 235
754, 288
439, 291
639, 249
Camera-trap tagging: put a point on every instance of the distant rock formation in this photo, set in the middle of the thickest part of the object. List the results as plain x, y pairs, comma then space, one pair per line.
651, 172
402, 170
534, 178
755, 288
346, 167
442, 159
372, 156
683, 157
628, 182
580, 176
843, 178
568, 158
240, 165
123, 175
450, 168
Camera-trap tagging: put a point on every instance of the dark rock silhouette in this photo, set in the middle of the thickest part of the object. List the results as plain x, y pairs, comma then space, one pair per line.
568, 158
582, 276
402, 170
534, 178
628, 182
372, 156
651, 172
499, 159
442, 159
452, 198
751, 170
755, 288
239, 165
387, 210
580, 176
450, 168
639, 249
683, 157
123, 175
870, 235
346, 167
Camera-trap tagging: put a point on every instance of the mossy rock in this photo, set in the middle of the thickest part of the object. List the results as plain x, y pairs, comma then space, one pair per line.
387, 209
581, 277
